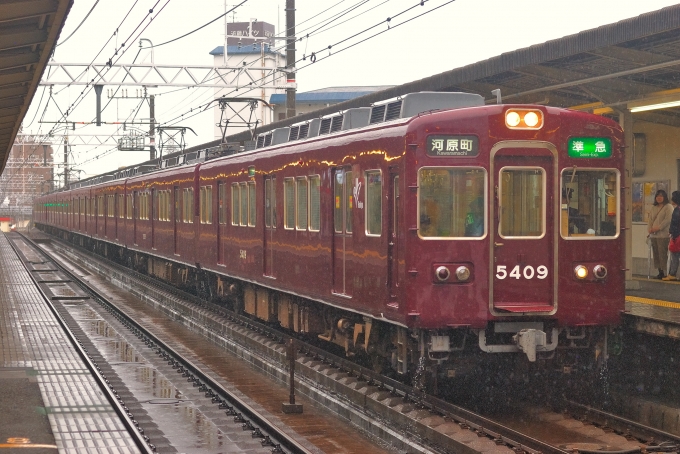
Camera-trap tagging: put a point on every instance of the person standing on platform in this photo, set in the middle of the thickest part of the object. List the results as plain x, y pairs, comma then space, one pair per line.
657, 227
674, 245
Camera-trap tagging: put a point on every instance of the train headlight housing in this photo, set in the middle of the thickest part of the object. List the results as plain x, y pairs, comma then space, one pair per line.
463, 273
600, 271
524, 119
581, 272
442, 273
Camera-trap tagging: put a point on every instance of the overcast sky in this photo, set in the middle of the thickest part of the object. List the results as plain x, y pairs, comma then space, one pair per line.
458, 33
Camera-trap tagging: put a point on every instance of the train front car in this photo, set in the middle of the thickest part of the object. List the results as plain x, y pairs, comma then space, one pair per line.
513, 234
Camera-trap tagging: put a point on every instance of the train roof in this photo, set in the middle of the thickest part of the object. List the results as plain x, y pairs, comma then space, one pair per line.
406, 106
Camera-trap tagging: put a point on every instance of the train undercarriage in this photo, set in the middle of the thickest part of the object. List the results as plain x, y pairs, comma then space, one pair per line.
439, 355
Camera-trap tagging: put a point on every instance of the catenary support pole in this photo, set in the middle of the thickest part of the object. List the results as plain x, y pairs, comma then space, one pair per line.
290, 58
152, 127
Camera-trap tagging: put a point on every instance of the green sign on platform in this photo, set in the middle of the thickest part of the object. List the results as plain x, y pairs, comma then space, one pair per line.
590, 147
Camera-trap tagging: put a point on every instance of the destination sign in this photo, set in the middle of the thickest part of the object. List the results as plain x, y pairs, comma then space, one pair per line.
590, 147
452, 146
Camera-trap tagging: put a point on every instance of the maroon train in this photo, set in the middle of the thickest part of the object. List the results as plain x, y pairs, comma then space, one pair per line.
420, 227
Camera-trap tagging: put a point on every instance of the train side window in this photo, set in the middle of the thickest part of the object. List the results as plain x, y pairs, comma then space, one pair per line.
451, 202
301, 192
289, 203
189, 205
522, 202
185, 205
252, 207
235, 204
373, 203
121, 206
205, 198
589, 205
243, 188
169, 213
314, 203
222, 202
130, 206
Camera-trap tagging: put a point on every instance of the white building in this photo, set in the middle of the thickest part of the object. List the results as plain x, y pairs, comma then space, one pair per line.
249, 50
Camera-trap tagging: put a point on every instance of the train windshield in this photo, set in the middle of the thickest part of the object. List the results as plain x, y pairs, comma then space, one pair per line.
590, 202
451, 202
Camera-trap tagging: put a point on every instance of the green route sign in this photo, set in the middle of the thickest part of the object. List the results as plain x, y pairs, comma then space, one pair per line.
590, 147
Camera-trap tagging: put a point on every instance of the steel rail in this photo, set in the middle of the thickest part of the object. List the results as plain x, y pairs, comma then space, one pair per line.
635, 429
140, 440
260, 423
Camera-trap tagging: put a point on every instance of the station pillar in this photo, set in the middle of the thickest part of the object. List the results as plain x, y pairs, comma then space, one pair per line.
626, 122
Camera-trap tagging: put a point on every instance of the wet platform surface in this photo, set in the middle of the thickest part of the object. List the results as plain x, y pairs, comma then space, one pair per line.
654, 308
49, 402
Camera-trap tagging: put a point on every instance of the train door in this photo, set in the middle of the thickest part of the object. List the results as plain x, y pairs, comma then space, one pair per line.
175, 218
221, 218
342, 225
154, 216
135, 215
393, 213
269, 224
523, 234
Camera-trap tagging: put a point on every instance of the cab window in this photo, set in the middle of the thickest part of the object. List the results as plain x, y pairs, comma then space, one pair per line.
590, 202
451, 202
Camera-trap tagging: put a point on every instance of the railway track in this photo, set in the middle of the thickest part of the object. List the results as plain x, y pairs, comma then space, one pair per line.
63, 286
422, 420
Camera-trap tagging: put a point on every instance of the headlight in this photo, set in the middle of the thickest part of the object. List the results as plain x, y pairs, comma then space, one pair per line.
600, 271
524, 119
581, 272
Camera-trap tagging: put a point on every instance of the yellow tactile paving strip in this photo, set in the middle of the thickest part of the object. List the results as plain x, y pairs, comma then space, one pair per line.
653, 302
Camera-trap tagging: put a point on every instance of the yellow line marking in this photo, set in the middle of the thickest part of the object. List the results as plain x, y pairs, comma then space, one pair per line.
635, 299
22, 442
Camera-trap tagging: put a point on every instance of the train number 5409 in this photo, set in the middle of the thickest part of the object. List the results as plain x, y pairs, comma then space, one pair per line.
541, 272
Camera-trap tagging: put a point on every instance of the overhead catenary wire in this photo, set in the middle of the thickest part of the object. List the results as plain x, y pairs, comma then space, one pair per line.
202, 26
81, 23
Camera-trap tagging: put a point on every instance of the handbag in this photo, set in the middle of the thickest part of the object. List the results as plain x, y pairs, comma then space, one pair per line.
674, 245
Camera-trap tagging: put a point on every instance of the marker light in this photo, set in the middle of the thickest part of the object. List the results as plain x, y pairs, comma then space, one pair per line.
463, 273
581, 272
442, 273
524, 119
600, 271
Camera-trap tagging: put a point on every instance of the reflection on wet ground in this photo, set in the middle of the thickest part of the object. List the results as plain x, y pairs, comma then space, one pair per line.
190, 430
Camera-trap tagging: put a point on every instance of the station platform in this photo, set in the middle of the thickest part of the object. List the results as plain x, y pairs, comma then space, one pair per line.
49, 401
654, 308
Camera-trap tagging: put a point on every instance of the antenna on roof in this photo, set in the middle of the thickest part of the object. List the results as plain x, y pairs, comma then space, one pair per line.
497, 92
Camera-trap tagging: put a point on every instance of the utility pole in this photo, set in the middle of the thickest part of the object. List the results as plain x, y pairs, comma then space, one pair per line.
65, 161
290, 57
152, 127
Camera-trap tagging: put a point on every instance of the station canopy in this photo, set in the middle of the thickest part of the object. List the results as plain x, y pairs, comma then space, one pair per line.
28, 32
632, 65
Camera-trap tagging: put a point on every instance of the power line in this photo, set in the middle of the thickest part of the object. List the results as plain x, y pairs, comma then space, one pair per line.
202, 26
388, 20
81, 23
